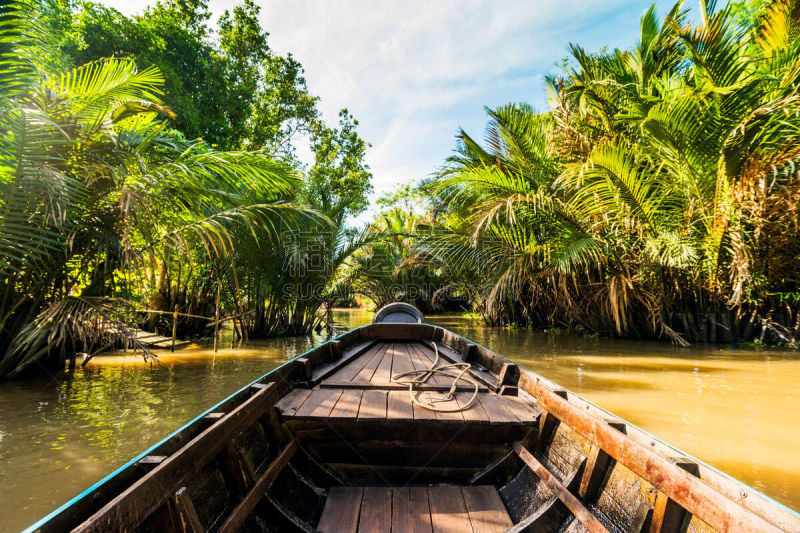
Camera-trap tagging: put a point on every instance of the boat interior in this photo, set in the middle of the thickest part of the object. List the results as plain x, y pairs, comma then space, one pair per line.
360, 434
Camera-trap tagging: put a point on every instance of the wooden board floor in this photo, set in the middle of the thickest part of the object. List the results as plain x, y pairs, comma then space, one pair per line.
448, 509
363, 390
378, 364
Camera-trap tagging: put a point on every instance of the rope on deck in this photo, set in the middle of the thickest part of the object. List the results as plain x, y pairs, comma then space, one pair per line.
423, 375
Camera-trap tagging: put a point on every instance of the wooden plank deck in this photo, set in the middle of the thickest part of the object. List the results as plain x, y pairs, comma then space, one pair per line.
154, 340
449, 509
381, 405
362, 390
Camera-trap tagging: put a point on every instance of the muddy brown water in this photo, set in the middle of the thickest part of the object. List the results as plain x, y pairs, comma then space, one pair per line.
734, 409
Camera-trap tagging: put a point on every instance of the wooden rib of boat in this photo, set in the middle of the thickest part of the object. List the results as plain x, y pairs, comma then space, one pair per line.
329, 442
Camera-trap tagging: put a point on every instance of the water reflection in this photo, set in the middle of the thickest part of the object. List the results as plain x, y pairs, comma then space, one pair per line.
58, 436
734, 409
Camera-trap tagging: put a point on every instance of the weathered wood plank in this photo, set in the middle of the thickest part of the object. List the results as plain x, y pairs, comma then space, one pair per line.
336, 384
567, 498
319, 404
448, 510
365, 374
425, 354
414, 357
421, 510
689, 492
441, 416
349, 371
520, 409
341, 511
410, 512
668, 516
496, 413
349, 356
383, 372
402, 360
419, 363
598, 466
422, 414
135, 503
424, 359
347, 405
401, 510
376, 510
399, 406
243, 510
289, 404
448, 354
190, 522
475, 412
373, 405
486, 510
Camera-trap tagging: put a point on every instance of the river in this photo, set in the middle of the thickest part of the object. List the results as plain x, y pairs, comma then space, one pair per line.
734, 409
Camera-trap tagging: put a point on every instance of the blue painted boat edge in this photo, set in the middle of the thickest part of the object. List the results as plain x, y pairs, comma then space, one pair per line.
650, 435
86, 492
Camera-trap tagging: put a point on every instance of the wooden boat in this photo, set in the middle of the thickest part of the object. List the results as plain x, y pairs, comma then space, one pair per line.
330, 442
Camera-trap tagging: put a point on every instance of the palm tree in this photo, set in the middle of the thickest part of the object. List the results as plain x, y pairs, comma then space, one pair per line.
657, 197
94, 188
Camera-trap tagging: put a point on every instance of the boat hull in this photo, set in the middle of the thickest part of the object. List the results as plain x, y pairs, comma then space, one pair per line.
310, 443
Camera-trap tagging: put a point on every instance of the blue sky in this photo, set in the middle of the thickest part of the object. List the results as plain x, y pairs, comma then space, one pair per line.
412, 72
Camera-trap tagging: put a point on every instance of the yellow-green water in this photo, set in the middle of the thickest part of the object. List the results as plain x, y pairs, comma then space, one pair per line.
734, 409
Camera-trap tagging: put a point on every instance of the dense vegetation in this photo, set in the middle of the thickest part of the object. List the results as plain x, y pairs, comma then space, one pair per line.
147, 165
658, 197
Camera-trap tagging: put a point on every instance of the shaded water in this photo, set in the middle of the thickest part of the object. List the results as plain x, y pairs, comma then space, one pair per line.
731, 408
59, 436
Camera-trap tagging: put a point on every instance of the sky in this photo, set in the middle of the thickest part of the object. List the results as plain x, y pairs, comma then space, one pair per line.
413, 72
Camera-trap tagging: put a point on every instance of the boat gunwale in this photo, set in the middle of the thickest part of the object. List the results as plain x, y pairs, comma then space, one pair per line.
547, 383
552, 385
132, 462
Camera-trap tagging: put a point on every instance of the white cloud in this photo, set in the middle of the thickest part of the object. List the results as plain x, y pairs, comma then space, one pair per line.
413, 71
407, 136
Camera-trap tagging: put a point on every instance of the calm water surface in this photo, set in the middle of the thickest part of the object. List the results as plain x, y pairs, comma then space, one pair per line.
731, 408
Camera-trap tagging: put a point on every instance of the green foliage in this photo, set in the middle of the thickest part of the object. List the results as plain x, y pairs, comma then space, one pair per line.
407, 198
110, 217
658, 196
389, 268
339, 180
100, 200
229, 89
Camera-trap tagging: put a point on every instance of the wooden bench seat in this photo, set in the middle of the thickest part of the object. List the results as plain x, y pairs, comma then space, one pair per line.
396, 406
361, 389
449, 509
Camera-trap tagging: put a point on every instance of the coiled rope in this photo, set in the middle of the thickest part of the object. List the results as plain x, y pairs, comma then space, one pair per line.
423, 375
